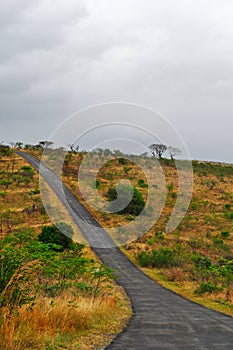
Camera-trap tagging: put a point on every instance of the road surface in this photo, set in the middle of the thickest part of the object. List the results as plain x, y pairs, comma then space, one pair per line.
162, 319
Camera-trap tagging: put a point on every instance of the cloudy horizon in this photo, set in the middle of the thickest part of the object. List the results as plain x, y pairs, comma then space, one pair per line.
174, 57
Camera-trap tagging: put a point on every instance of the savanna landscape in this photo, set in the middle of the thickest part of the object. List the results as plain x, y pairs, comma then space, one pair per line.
116, 175
56, 293
53, 293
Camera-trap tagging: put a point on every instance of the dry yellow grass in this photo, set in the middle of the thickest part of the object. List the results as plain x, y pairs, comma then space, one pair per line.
203, 223
64, 322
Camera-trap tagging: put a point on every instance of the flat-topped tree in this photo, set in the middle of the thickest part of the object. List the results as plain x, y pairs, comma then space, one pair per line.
45, 144
174, 151
157, 149
19, 145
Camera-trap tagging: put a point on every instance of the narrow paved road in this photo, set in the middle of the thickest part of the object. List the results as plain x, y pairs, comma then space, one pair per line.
162, 319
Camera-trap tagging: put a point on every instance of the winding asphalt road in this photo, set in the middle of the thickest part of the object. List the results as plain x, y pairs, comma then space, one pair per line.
162, 319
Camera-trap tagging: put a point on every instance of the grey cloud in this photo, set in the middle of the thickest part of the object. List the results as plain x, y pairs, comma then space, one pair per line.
175, 57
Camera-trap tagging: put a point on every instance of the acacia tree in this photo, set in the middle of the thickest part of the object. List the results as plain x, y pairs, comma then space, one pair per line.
117, 153
13, 144
28, 146
73, 148
45, 144
157, 149
19, 145
174, 151
99, 151
107, 152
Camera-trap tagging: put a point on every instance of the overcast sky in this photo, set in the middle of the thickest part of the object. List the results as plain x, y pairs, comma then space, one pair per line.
176, 57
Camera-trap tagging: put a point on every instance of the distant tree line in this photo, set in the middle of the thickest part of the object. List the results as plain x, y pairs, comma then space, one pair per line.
157, 150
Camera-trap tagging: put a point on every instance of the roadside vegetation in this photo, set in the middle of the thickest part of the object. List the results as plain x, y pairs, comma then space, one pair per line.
54, 293
196, 260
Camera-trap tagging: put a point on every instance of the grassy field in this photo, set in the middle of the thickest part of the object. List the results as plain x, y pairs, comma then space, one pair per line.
196, 260
52, 296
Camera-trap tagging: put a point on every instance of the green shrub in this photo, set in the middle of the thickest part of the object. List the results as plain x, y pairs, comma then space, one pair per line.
35, 191
229, 215
54, 235
11, 260
27, 172
122, 161
201, 261
159, 235
28, 169
194, 206
225, 234
163, 257
142, 183
206, 287
136, 205
170, 187
151, 241
217, 241
127, 169
5, 151
5, 183
144, 259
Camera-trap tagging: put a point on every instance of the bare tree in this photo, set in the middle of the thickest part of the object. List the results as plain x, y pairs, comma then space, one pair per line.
157, 149
13, 144
73, 148
174, 151
99, 151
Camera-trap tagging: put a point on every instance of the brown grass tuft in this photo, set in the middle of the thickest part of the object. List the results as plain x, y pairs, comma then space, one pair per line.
48, 320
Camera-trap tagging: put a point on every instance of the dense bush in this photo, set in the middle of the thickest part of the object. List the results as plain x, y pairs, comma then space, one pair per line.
225, 234
54, 235
5, 151
163, 257
123, 161
228, 215
206, 287
27, 171
201, 261
30, 268
219, 170
136, 205
142, 183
